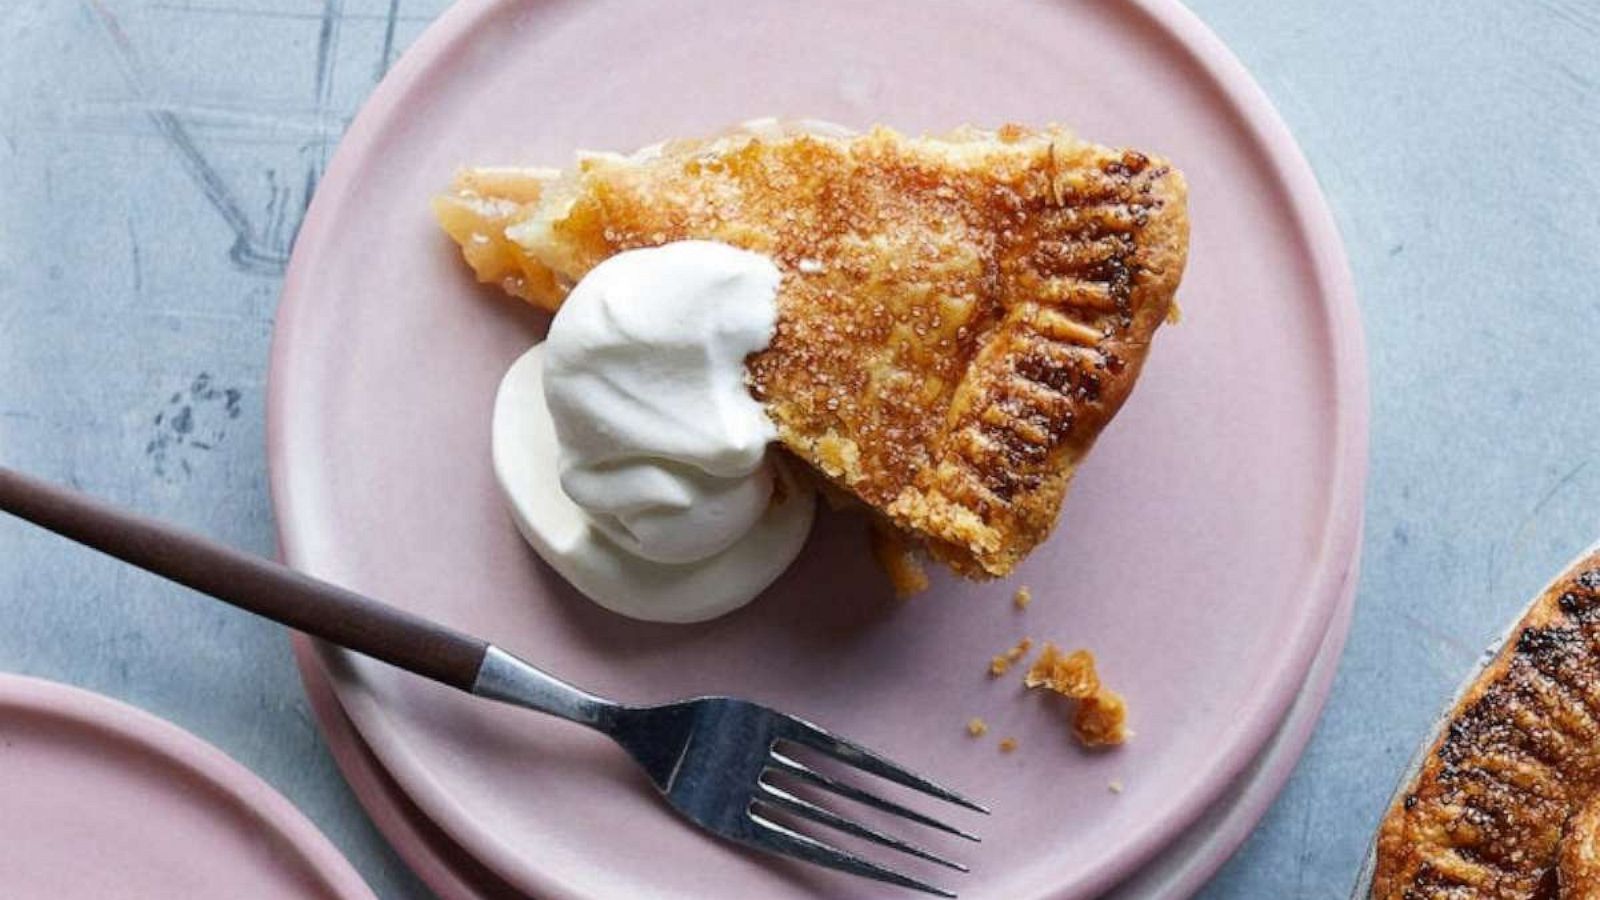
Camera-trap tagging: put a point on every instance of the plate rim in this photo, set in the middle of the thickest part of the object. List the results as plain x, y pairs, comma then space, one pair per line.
1340, 317
193, 755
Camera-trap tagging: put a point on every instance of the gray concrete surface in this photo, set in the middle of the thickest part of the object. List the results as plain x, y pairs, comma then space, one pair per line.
155, 158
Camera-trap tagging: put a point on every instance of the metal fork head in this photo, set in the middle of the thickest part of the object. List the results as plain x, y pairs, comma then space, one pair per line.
723, 763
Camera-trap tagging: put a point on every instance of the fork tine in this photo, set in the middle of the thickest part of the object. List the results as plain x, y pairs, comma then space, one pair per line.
782, 799
769, 835
860, 757
799, 770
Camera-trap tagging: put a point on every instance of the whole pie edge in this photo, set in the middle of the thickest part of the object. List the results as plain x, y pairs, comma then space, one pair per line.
1398, 858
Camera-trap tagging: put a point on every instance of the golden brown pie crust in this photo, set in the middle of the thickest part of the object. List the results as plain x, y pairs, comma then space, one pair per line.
1579, 867
1517, 759
959, 317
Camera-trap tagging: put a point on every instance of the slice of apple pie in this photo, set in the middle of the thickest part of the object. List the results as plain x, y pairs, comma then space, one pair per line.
959, 316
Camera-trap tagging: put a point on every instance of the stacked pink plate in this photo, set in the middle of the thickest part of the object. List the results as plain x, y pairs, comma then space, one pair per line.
103, 800
1207, 556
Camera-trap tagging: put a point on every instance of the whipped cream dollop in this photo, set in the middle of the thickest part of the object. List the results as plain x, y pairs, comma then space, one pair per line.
661, 442
669, 505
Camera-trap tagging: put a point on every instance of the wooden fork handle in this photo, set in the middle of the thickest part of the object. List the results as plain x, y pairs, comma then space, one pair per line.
249, 582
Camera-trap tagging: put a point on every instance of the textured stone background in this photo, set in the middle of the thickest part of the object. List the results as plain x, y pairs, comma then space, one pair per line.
155, 158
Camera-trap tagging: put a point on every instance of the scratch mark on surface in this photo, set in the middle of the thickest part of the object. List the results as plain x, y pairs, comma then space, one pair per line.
1439, 639
386, 57
1583, 83
138, 263
1490, 581
1574, 14
266, 13
247, 253
1303, 854
200, 315
327, 43
1530, 522
1556, 488
252, 125
309, 191
278, 212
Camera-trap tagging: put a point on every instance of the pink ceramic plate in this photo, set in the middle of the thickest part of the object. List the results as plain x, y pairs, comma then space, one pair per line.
1178, 871
98, 799
1184, 865
1201, 555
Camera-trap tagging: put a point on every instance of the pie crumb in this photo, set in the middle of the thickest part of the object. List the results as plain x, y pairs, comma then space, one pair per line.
1002, 663
1072, 675
1022, 597
1115, 786
1008, 744
1101, 717
977, 727
898, 560
1101, 720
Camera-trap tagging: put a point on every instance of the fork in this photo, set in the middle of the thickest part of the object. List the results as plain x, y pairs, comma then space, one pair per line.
714, 759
